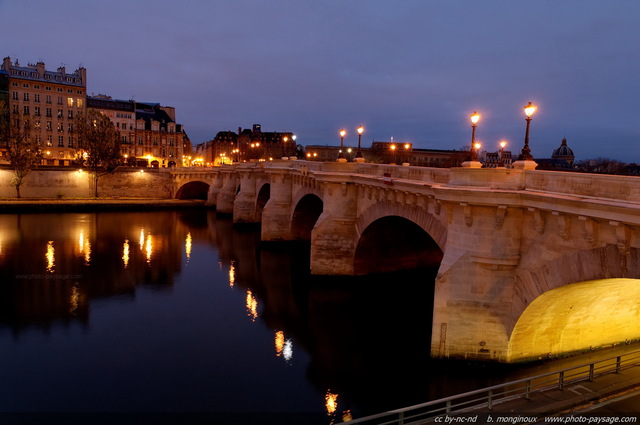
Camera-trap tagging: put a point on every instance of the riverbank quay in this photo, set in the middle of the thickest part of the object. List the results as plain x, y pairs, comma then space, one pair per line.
571, 393
43, 205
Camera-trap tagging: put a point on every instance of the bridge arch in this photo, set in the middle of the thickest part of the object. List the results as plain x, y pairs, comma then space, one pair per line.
563, 306
393, 243
305, 215
193, 190
264, 194
576, 318
426, 221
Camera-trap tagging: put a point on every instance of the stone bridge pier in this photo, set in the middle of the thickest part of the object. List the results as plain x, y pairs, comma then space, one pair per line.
276, 216
474, 287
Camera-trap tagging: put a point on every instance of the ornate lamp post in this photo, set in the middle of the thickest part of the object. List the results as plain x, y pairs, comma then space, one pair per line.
526, 152
341, 157
360, 130
475, 117
501, 154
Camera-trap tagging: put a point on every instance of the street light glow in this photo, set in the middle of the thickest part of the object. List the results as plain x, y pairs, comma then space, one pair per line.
475, 117
529, 109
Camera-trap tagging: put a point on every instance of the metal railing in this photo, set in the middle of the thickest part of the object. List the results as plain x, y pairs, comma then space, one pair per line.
488, 397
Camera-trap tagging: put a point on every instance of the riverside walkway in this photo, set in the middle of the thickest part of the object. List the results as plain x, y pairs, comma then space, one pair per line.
566, 395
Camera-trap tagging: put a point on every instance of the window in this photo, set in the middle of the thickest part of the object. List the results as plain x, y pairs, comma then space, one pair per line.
36, 124
36, 86
59, 113
49, 140
38, 139
49, 126
25, 110
61, 141
48, 99
14, 95
25, 85
25, 97
124, 125
70, 142
70, 101
140, 140
16, 109
70, 128
70, 114
36, 98
171, 142
36, 111
60, 126
79, 103
47, 88
59, 100
155, 141
49, 112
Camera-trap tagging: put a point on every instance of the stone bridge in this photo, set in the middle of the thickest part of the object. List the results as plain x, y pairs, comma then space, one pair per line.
532, 264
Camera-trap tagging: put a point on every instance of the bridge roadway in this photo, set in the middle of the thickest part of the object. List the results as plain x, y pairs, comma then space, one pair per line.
532, 264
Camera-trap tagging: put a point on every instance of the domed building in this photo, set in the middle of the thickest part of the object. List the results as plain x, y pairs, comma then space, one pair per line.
564, 152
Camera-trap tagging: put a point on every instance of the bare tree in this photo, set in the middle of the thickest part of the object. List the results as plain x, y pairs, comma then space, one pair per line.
23, 152
98, 145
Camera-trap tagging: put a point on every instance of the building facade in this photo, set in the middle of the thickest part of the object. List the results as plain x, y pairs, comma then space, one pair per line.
246, 145
149, 135
47, 102
389, 153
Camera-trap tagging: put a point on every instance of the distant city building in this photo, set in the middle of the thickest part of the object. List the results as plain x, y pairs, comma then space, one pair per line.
562, 158
149, 134
564, 152
48, 101
501, 158
245, 145
390, 153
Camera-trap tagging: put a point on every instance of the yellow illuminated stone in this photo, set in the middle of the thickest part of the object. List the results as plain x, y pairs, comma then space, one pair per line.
577, 317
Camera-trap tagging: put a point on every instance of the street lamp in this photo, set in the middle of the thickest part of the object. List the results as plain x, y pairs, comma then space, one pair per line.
393, 149
475, 117
503, 143
341, 157
526, 152
476, 147
360, 130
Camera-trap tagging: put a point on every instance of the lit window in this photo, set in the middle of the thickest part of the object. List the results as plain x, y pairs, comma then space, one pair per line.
79, 103
70, 101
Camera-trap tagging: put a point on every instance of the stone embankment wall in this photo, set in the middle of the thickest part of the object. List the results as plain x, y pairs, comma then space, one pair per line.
67, 183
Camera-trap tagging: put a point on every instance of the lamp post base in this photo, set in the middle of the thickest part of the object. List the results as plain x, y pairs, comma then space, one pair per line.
342, 159
525, 164
472, 164
358, 159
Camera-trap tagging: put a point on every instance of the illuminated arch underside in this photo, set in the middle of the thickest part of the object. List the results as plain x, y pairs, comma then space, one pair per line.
578, 316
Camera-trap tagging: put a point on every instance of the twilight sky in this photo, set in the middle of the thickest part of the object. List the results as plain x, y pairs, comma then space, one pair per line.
413, 70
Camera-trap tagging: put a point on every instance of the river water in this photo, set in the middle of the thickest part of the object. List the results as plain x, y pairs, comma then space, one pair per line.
182, 312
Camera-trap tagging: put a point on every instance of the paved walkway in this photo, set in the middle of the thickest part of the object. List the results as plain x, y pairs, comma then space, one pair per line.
574, 397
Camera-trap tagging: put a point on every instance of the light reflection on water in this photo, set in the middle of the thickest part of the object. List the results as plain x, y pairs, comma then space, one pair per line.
201, 338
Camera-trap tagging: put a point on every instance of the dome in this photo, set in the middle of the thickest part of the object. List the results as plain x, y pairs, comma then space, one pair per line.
564, 152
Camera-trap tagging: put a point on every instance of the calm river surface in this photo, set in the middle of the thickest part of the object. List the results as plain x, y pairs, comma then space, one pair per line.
181, 312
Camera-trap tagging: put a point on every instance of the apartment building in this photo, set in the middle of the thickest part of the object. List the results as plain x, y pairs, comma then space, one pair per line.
48, 101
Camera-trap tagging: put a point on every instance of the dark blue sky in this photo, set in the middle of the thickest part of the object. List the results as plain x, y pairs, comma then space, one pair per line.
413, 70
